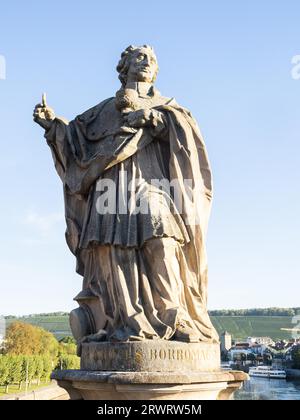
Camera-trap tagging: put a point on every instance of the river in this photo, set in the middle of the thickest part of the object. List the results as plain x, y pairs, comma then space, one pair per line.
269, 389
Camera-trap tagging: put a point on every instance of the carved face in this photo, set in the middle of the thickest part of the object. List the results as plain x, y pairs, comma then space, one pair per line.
143, 66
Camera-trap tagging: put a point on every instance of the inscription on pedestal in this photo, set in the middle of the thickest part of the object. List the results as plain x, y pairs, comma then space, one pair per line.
164, 356
182, 354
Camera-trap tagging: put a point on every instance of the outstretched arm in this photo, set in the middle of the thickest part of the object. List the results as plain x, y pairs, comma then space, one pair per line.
55, 133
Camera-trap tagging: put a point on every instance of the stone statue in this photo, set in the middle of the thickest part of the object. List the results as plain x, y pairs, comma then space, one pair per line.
139, 248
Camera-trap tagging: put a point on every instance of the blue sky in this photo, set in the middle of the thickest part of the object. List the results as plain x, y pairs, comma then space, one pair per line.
229, 63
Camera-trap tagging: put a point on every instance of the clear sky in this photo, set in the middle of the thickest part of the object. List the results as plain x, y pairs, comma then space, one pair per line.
229, 63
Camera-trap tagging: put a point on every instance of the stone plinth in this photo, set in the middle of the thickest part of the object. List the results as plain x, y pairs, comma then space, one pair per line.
150, 356
183, 385
149, 370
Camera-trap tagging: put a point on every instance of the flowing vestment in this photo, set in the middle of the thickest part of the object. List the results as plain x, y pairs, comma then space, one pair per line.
149, 270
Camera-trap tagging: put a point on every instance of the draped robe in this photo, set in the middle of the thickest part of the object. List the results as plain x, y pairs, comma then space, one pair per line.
149, 271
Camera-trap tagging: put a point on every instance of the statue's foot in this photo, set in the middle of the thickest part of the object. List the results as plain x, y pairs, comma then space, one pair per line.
98, 336
126, 334
115, 339
185, 333
121, 335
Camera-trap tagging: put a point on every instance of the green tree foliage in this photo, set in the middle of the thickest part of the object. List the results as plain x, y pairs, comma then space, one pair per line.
67, 361
67, 340
4, 372
30, 354
48, 366
49, 344
22, 339
31, 368
39, 368
256, 312
67, 346
26, 339
15, 364
296, 357
21, 369
50, 314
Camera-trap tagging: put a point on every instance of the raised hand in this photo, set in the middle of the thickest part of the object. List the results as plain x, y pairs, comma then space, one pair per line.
43, 114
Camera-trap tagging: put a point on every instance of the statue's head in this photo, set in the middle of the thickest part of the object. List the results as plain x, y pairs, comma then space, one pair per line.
137, 64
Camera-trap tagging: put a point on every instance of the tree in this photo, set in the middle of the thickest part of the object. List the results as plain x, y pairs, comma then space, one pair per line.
68, 340
67, 361
47, 368
22, 339
256, 312
19, 369
26, 339
15, 369
4, 372
49, 344
31, 369
39, 368
67, 349
296, 357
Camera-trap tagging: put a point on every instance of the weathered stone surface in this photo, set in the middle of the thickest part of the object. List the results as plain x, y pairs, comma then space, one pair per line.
182, 385
150, 355
142, 328
180, 377
142, 254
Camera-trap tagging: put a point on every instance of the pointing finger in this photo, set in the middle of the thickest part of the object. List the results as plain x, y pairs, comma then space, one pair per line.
44, 102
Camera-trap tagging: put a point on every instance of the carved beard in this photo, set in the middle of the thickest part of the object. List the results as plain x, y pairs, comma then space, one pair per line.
126, 100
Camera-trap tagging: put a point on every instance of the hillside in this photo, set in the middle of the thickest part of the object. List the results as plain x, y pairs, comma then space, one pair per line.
56, 324
239, 326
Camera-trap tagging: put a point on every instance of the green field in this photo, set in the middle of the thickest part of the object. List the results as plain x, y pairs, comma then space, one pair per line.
240, 327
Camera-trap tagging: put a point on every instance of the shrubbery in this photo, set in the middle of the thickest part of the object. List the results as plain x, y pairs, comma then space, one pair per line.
19, 369
68, 361
26, 339
31, 354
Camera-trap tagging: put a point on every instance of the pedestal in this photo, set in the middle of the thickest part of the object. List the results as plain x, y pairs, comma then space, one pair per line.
150, 356
150, 370
101, 386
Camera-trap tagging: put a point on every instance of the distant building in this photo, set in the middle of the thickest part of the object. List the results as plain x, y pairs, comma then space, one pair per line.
258, 349
242, 345
238, 352
225, 342
263, 341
